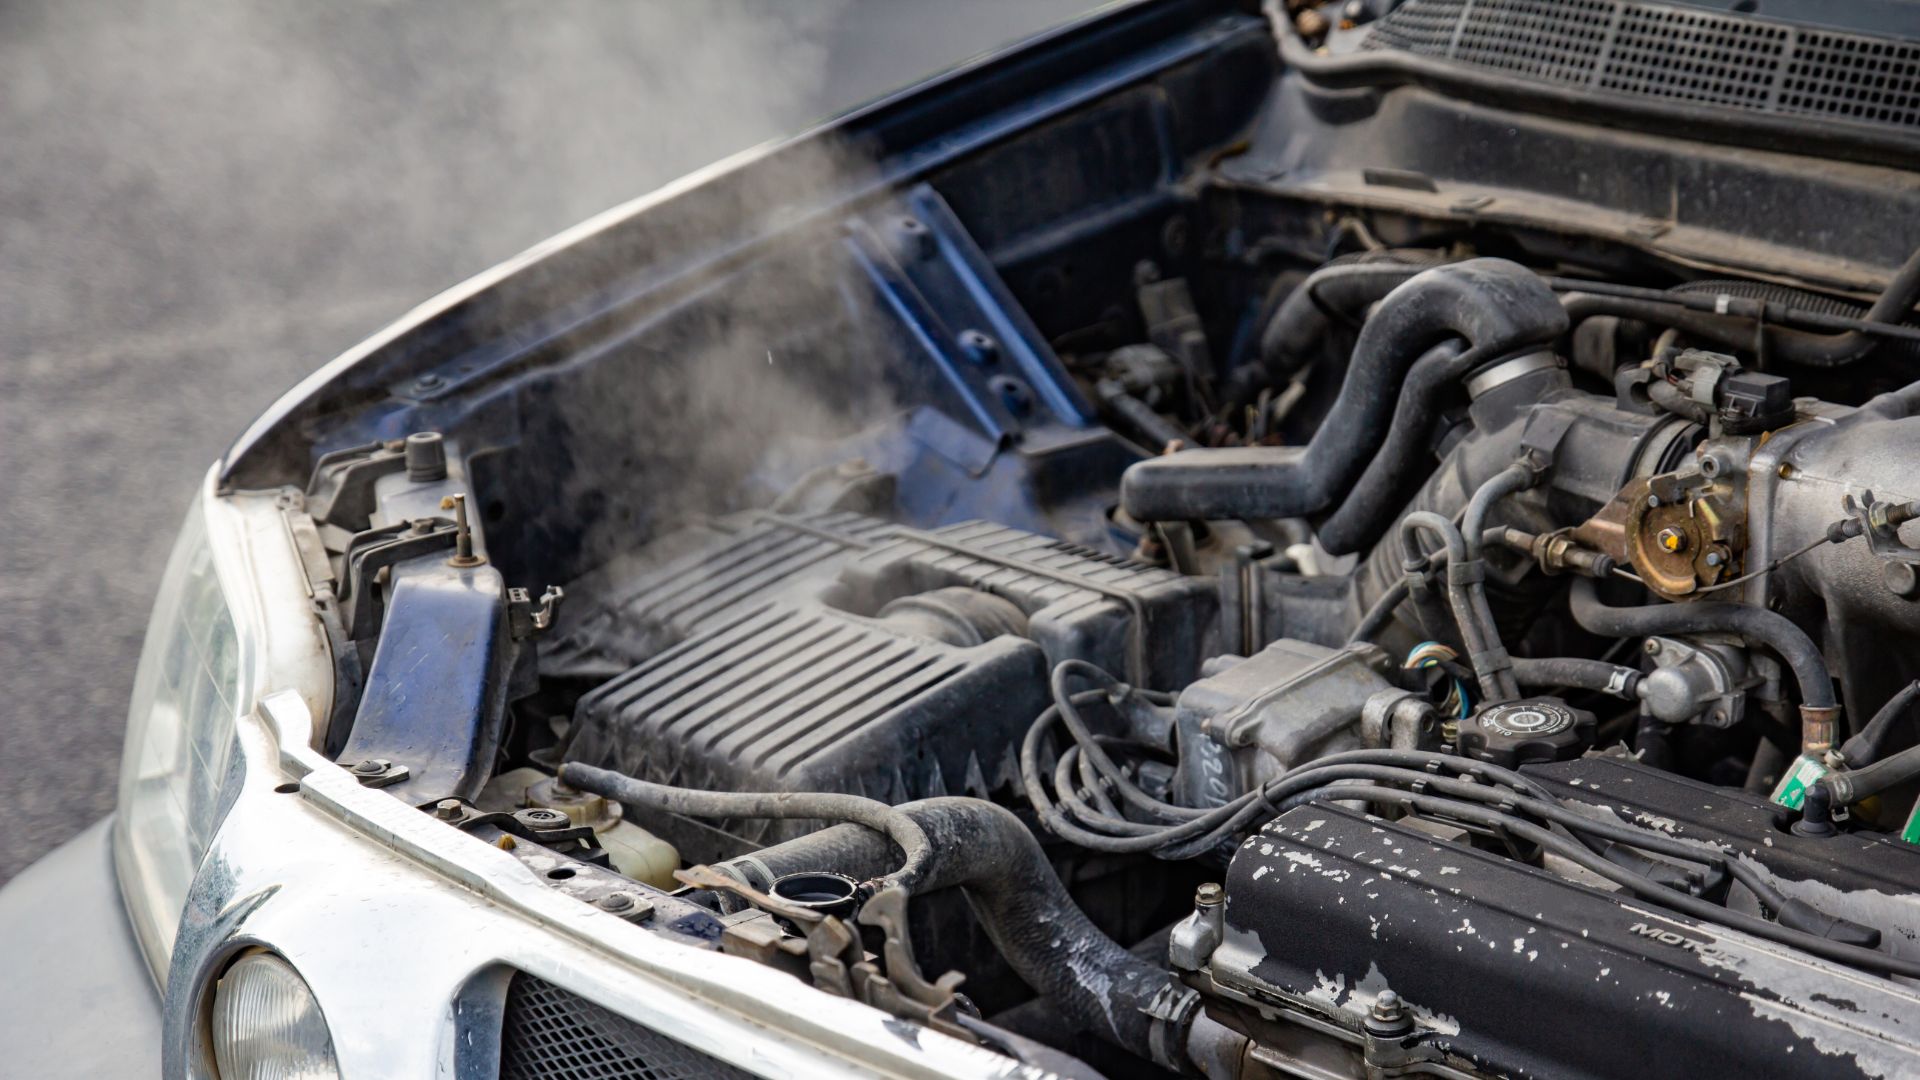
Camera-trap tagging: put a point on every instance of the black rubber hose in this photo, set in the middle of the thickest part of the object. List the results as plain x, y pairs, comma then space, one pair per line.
1810, 306
1687, 310
1583, 674
1155, 431
1851, 786
1819, 350
1499, 307
1861, 750
1466, 593
1768, 628
1381, 612
1048, 940
821, 806
1394, 474
1727, 331
1297, 332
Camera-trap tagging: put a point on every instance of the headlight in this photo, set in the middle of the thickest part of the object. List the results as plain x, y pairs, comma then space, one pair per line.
190, 685
266, 1023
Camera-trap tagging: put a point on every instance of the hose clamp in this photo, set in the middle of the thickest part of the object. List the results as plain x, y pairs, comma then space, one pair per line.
1172, 1008
1501, 372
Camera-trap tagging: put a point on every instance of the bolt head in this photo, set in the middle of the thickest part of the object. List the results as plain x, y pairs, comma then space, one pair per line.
371, 767
447, 809
1714, 558
1671, 540
1653, 500
618, 901
1901, 579
541, 817
979, 347
1652, 647
1209, 894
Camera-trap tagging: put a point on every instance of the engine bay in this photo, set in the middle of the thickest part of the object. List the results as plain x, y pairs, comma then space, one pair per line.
1267, 636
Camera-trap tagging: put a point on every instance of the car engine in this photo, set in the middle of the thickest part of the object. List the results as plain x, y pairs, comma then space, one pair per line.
1308, 638
1499, 694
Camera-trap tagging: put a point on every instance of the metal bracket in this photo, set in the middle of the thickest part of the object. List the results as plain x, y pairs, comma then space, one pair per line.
833, 948
841, 966
378, 772
902, 990
1880, 523
524, 620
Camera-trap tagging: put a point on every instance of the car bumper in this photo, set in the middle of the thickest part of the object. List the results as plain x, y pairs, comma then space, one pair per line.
77, 999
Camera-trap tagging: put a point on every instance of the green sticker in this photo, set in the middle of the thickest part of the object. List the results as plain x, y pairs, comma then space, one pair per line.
1793, 787
1911, 834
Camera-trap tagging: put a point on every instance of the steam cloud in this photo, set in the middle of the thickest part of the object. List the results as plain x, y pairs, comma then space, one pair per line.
205, 201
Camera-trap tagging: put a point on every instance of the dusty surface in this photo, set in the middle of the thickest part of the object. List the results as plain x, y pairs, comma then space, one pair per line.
198, 209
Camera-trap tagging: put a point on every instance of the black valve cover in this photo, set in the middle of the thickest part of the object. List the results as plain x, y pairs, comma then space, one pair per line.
1515, 971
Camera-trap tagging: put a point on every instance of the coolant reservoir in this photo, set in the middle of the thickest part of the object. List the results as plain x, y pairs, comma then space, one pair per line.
634, 851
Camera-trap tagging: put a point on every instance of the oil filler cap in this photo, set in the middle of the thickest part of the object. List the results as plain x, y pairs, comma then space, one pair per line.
1526, 731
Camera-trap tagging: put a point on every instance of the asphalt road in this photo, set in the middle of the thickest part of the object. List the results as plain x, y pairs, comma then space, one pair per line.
201, 204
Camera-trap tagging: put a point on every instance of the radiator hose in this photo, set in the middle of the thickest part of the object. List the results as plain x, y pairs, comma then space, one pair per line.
1498, 307
987, 852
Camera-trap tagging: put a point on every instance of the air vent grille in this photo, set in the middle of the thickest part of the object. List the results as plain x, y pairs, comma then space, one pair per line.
552, 1034
1654, 52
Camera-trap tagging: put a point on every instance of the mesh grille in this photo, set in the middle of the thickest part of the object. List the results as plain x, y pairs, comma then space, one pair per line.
552, 1034
1648, 51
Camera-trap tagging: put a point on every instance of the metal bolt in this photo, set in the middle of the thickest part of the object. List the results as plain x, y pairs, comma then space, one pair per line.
1653, 647
1714, 558
917, 239
1209, 894
428, 383
539, 817
463, 555
1671, 539
1388, 1017
979, 347
371, 767
448, 810
1901, 579
616, 902
1785, 471
1653, 500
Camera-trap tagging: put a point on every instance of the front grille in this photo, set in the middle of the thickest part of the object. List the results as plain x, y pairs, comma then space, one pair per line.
1654, 52
553, 1034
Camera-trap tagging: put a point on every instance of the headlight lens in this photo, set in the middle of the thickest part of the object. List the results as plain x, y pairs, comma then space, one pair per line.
190, 686
266, 1023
